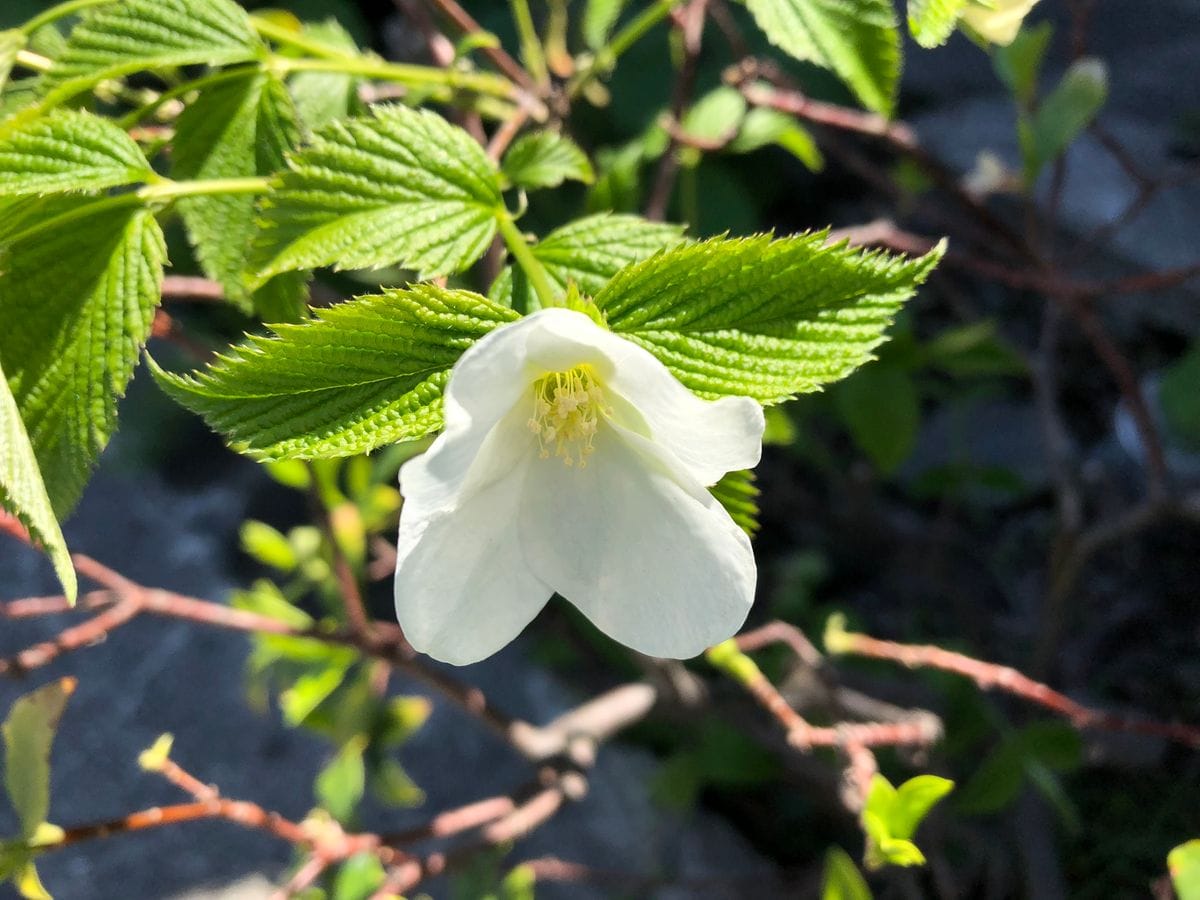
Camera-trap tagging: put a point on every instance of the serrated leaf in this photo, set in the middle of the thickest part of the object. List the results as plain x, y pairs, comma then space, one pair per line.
23, 493
68, 151
139, 35
237, 129
544, 160
738, 493
78, 302
365, 373
12, 42
761, 318
931, 22
403, 187
29, 733
1063, 114
857, 39
587, 252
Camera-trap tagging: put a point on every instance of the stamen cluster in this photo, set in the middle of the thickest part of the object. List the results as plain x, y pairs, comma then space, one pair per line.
567, 407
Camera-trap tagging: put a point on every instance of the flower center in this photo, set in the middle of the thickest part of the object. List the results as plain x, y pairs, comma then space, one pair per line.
567, 407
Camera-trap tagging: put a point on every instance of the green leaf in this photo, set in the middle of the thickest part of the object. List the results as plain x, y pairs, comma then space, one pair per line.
1179, 398
322, 97
880, 407
717, 116
265, 598
78, 302
392, 786
913, 801
587, 252
29, 884
932, 21
68, 151
23, 493
842, 880
12, 42
544, 160
738, 493
28, 734
236, 129
763, 126
1063, 115
138, 35
1183, 863
358, 878
339, 786
404, 187
599, 19
1019, 64
267, 545
761, 318
857, 39
365, 373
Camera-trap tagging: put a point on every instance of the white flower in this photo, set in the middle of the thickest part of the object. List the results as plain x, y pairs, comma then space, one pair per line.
997, 21
573, 461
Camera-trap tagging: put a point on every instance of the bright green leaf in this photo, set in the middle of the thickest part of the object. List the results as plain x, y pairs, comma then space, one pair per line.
365, 373
322, 97
932, 21
587, 252
401, 188
857, 39
68, 151
236, 129
358, 878
268, 546
842, 880
29, 884
761, 318
137, 35
717, 116
265, 598
737, 492
544, 160
339, 786
763, 126
1063, 115
325, 670
392, 786
913, 801
28, 734
1183, 863
880, 407
23, 493
77, 302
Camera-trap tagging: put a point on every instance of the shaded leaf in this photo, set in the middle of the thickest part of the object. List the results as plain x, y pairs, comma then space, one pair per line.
544, 160
28, 735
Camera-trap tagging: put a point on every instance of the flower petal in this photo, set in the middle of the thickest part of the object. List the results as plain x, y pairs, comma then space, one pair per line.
463, 589
639, 546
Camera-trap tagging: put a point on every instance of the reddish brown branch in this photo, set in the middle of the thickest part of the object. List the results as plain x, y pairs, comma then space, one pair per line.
500, 58
990, 676
187, 287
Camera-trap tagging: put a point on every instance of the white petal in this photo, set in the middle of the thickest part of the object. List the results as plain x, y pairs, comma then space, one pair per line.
463, 589
639, 546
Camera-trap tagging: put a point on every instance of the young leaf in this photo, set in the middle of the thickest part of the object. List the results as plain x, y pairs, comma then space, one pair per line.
761, 318
717, 116
403, 187
28, 733
913, 801
1063, 115
857, 39
587, 252
78, 302
1019, 64
363, 374
544, 160
763, 126
137, 35
23, 493
932, 21
68, 151
1183, 862
339, 786
238, 128
842, 880
599, 18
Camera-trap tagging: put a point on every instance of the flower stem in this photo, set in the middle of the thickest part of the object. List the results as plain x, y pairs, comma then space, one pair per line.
606, 57
530, 265
531, 45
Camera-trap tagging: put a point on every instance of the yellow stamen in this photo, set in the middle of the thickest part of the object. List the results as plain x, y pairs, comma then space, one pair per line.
567, 407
